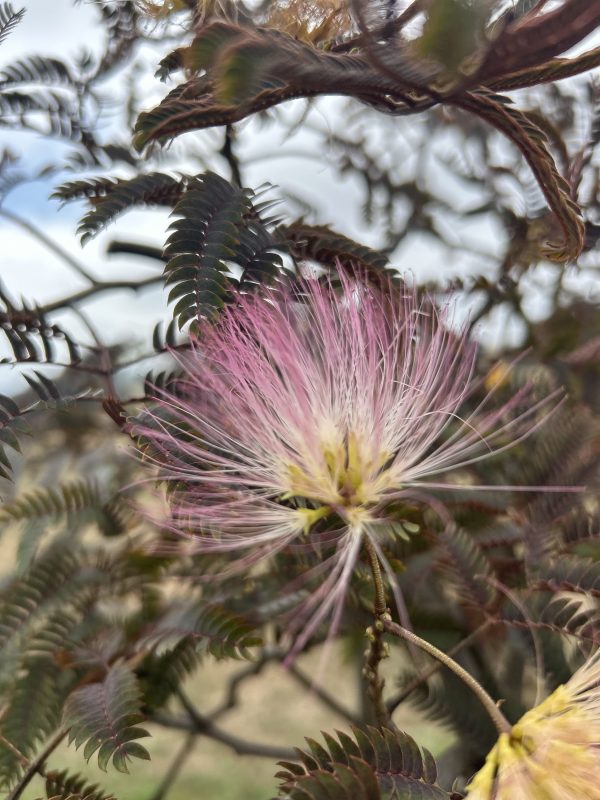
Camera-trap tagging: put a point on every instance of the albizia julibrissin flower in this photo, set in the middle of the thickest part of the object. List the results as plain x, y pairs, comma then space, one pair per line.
317, 410
553, 752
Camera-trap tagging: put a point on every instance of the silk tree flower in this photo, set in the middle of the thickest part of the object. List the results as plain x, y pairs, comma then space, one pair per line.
553, 752
306, 415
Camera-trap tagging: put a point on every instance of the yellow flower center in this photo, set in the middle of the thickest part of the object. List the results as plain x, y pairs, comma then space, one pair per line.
549, 754
347, 476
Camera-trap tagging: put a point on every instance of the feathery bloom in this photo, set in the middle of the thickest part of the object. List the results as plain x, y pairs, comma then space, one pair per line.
553, 752
307, 414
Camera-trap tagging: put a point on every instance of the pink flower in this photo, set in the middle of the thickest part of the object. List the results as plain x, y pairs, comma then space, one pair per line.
318, 410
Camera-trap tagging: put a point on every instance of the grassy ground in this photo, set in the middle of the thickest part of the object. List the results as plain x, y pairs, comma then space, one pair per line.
274, 710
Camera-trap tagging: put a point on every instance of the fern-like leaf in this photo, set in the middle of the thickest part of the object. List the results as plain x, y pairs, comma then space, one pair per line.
9, 411
164, 340
326, 246
104, 717
68, 499
555, 69
466, 565
240, 70
202, 239
91, 189
60, 578
580, 527
160, 674
445, 699
36, 69
532, 143
572, 617
63, 786
30, 714
48, 393
580, 575
120, 21
156, 383
61, 113
9, 19
33, 339
217, 224
155, 188
79, 502
48, 396
255, 255
537, 38
376, 764
213, 629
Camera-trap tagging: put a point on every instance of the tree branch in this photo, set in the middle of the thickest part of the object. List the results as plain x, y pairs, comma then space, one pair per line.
228, 153
135, 249
107, 286
250, 671
36, 767
49, 243
386, 31
324, 696
174, 769
202, 726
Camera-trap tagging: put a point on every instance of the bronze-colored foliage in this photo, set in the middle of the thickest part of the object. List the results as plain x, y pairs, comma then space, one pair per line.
235, 71
107, 618
376, 764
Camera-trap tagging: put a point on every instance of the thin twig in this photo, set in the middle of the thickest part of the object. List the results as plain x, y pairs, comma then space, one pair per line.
380, 604
36, 767
324, 696
105, 286
202, 726
199, 724
49, 243
118, 246
250, 671
15, 751
228, 153
173, 772
394, 702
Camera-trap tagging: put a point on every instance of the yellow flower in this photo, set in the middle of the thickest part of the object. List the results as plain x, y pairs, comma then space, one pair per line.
553, 751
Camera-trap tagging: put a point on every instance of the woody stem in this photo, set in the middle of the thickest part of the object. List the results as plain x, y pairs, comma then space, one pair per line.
376, 651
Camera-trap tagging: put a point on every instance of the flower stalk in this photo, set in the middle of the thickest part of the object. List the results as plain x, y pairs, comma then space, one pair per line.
502, 724
379, 605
